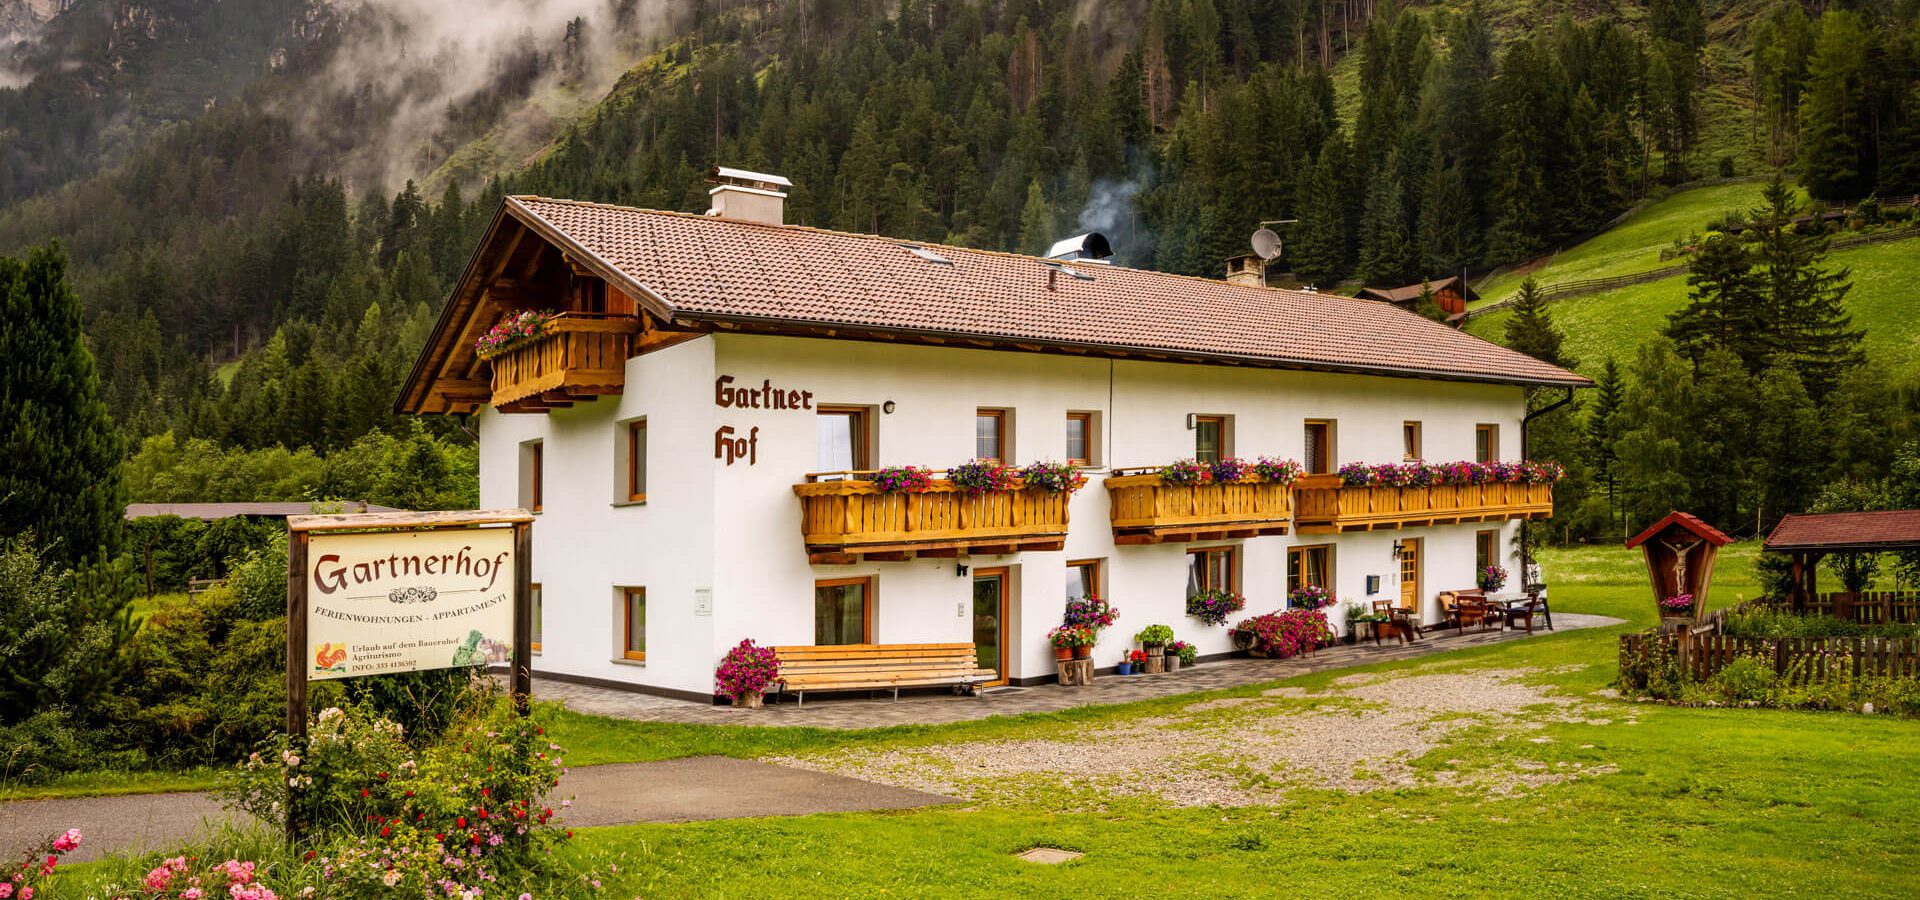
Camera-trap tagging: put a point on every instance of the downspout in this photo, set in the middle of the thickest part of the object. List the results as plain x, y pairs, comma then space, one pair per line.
1526, 551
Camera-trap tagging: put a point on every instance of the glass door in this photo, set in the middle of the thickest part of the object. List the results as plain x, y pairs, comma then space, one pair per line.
990, 622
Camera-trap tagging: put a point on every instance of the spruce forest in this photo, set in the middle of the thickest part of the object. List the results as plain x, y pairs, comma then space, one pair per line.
257, 249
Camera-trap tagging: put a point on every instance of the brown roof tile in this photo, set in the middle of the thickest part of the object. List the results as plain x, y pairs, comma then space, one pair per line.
1888, 529
703, 267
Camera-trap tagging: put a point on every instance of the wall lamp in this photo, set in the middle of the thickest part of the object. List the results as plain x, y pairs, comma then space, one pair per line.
1398, 548
1193, 421
960, 570
887, 407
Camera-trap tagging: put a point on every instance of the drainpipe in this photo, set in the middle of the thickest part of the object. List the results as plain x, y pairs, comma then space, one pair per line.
1526, 551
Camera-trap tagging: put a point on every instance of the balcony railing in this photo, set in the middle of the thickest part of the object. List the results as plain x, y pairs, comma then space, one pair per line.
849, 518
581, 355
1325, 506
1147, 510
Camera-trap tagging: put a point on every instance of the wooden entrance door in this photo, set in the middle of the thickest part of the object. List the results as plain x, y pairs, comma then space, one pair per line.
1410, 575
990, 621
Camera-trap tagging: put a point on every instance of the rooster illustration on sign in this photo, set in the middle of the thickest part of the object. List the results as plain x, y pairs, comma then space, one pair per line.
330, 657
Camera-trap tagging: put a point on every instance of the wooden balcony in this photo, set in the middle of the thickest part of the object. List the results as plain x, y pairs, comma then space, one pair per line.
1147, 510
849, 519
1326, 507
582, 356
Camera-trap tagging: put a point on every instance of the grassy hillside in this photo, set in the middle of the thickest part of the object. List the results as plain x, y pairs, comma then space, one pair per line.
1616, 322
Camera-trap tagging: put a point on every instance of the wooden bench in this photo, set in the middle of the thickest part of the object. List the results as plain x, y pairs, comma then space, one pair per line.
854, 667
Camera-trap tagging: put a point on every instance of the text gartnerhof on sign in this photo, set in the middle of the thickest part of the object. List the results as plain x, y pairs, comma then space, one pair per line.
408, 601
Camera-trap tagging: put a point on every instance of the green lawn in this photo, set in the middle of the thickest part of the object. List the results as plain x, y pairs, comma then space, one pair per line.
1634, 245
1615, 323
1698, 802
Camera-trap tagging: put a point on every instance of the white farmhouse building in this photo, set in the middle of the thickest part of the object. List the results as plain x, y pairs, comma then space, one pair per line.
704, 367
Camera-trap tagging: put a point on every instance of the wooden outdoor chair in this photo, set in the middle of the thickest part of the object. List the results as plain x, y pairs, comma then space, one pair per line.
1462, 609
1397, 624
1522, 613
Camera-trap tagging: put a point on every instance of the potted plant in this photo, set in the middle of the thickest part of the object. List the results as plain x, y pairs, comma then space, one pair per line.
745, 672
1126, 664
1677, 609
1137, 662
1282, 634
1063, 638
1154, 639
1492, 579
1309, 596
1180, 653
1356, 615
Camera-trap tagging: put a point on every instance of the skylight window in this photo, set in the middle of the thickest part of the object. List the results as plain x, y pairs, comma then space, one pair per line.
1071, 271
927, 255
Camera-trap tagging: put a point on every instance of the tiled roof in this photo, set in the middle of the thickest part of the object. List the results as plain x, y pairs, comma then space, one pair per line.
1888, 529
1412, 292
1690, 522
214, 511
715, 269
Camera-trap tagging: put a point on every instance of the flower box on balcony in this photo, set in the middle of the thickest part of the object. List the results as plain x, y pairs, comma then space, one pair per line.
854, 517
1146, 509
1327, 506
572, 356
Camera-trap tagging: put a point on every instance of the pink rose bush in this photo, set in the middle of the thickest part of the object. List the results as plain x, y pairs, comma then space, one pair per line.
30, 876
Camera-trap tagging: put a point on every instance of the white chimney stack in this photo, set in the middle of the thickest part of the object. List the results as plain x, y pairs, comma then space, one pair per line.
748, 196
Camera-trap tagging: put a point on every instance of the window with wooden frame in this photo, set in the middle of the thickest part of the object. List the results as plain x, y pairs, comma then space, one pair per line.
1486, 443
844, 438
1310, 565
1319, 446
1486, 550
532, 472
633, 643
1084, 579
1410, 440
538, 608
843, 611
1080, 438
1213, 568
990, 435
637, 461
1210, 437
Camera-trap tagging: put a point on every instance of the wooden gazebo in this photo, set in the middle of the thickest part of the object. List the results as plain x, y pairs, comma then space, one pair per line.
1807, 538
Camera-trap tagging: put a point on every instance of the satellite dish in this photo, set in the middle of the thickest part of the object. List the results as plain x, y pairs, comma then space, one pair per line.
1266, 243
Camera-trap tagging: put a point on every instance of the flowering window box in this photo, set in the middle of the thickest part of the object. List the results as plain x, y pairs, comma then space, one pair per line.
857, 516
1149, 508
1339, 502
570, 356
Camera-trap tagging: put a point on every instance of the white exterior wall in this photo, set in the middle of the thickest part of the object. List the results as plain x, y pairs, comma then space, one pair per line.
735, 528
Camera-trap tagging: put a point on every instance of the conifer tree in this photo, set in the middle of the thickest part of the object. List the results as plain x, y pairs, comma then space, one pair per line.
1727, 309
1036, 222
1603, 427
1320, 244
1833, 114
1659, 437
1531, 329
1814, 333
61, 479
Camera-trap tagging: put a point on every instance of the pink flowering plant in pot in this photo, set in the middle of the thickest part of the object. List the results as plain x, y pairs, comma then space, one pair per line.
1309, 596
1677, 605
1053, 477
513, 330
1278, 471
746, 672
1283, 634
982, 476
904, 480
1213, 605
1092, 613
1492, 578
1186, 471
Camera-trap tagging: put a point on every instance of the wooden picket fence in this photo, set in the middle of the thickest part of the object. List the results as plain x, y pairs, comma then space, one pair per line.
1699, 650
1798, 660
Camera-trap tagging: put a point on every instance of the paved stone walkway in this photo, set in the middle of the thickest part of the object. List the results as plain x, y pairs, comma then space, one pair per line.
850, 711
675, 790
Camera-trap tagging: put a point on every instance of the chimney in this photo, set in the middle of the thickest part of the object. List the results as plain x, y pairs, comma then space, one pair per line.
748, 196
1247, 270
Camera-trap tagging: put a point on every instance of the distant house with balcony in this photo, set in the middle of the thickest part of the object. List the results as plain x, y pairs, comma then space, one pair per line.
1451, 294
699, 424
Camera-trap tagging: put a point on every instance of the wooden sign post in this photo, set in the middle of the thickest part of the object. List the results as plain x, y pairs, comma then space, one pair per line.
385, 593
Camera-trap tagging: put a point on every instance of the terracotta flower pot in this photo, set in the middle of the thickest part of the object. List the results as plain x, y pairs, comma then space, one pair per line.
1083, 652
749, 700
1062, 653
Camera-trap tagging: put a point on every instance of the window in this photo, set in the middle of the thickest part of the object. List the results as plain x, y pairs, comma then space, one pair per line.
537, 610
1083, 579
1080, 438
1486, 550
532, 469
1212, 568
634, 644
843, 611
1319, 446
1210, 438
1410, 440
1310, 565
637, 461
990, 435
1486, 443
844, 443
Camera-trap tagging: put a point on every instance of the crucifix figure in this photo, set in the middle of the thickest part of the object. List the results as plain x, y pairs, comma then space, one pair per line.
1679, 563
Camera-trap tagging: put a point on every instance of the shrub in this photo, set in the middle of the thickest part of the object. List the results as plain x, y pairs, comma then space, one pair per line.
1213, 606
1746, 680
61, 643
746, 669
1283, 634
